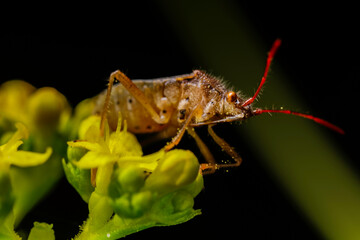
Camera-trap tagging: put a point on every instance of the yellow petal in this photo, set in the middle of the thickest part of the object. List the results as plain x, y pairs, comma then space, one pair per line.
15, 141
149, 161
94, 159
28, 159
97, 147
22, 130
8, 148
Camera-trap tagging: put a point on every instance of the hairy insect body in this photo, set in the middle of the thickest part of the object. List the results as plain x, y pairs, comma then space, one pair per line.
174, 99
175, 105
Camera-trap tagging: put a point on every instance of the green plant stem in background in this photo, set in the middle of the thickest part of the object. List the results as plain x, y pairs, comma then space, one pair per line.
299, 154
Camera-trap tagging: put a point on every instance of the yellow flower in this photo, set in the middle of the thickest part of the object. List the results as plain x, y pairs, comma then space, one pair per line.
119, 146
10, 155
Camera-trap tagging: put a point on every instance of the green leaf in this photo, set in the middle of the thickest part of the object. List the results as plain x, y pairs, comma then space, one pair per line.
168, 211
79, 179
7, 229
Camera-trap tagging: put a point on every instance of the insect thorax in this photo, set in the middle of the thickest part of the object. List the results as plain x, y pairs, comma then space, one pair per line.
208, 97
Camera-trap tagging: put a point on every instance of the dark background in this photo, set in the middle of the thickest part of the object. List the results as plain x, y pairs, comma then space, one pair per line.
75, 50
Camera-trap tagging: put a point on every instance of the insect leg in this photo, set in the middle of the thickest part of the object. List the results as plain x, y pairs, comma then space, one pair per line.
138, 95
93, 176
175, 140
102, 122
210, 166
106, 105
227, 148
188, 77
179, 79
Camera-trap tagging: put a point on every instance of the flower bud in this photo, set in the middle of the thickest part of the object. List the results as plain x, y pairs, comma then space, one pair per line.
131, 178
83, 110
177, 169
42, 231
86, 127
75, 153
100, 209
132, 205
13, 95
46, 107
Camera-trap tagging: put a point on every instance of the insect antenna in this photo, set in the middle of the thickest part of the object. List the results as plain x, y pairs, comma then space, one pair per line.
271, 54
315, 119
249, 101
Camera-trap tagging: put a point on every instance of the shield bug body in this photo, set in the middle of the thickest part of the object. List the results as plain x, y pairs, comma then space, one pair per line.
173, 105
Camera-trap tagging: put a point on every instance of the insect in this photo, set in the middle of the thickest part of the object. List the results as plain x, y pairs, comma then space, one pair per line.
170, 106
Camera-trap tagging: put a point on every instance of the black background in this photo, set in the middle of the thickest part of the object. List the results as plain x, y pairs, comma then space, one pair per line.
74, 50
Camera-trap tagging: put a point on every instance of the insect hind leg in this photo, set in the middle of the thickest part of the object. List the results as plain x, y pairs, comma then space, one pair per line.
105, 109
137, 94
119, 76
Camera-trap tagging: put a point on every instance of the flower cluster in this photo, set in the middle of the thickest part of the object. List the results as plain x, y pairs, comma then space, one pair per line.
143, 191
126, 191
32, 139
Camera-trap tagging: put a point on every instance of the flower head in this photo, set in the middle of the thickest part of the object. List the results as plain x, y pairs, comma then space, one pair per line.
143, 191
104, 150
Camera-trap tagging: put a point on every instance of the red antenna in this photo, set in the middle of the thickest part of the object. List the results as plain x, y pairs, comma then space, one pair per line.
272, 52
315, 119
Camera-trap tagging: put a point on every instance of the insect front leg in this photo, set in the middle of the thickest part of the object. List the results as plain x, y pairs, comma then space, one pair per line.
175, 140
227, 148
210, 166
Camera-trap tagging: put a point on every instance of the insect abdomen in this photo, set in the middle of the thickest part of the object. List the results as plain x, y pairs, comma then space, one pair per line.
160, 94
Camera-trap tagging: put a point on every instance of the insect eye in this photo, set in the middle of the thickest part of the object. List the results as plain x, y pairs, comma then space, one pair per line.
231, 96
